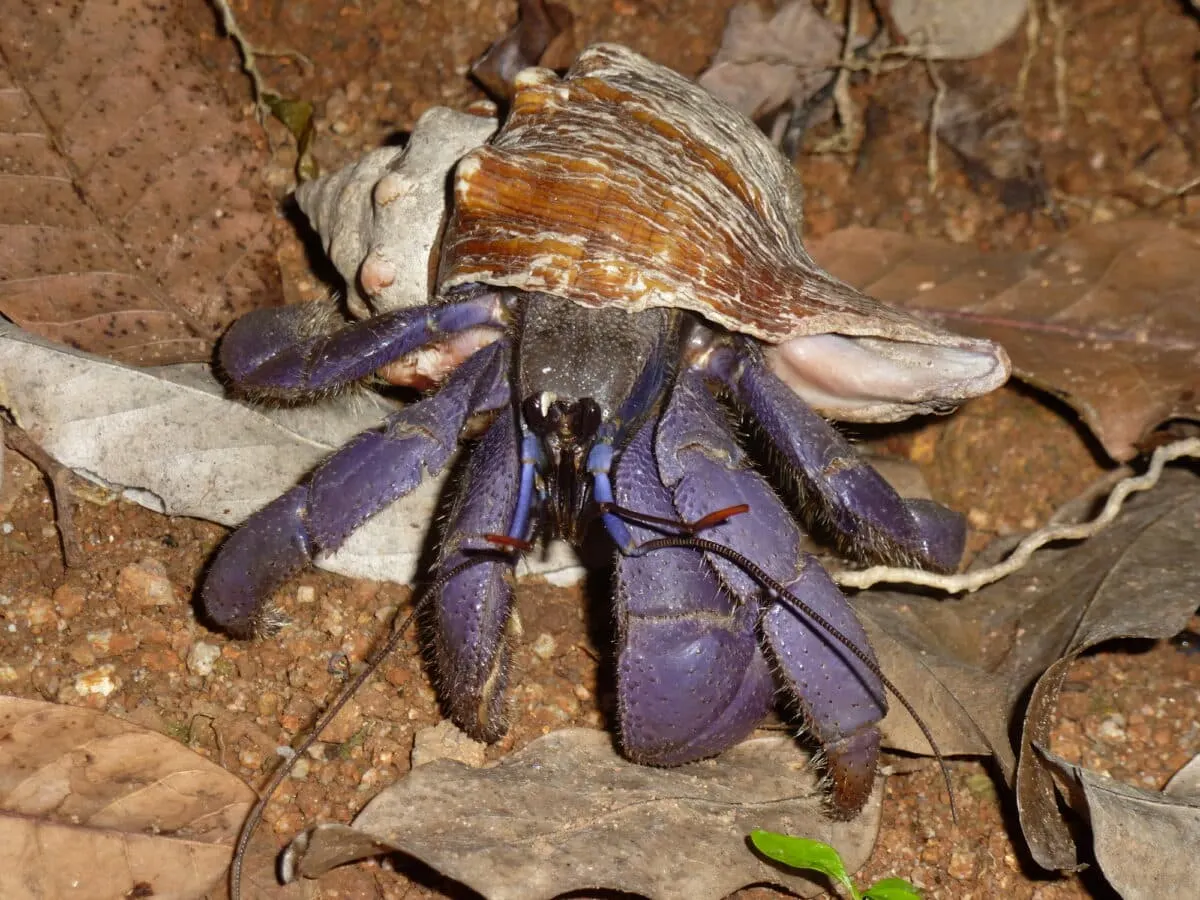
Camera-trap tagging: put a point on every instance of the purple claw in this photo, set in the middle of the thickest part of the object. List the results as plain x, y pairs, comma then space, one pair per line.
857, 502
472, 624
691, 679
839, 697
294, 352
370, 473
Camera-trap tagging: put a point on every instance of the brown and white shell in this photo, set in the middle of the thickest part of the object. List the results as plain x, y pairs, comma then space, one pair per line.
625, 184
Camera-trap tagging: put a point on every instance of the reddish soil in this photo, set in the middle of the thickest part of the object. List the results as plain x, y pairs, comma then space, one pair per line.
125, 616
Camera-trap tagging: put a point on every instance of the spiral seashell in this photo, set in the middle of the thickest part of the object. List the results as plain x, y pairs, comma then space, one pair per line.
380, 218
626, 184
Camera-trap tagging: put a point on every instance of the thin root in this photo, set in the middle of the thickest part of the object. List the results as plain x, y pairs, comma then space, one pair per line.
973, 581
59, 476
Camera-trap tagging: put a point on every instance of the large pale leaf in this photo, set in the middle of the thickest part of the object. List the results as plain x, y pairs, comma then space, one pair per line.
1108, 318
132, 221
568, 813
95, 808
150, 434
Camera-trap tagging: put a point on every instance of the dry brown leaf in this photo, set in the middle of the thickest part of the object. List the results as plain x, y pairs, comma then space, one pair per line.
957, 29
967, 665
92, 808
1141, 579
765, 62
1107, 319
132, 223
1147, 843
568, 813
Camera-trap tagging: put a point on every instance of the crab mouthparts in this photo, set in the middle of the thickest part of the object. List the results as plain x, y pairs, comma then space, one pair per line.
567, 430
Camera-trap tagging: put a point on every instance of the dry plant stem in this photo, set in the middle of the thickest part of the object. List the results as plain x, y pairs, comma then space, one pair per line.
59, 476
400, 626
1033, 33
249, 54
973, 581
1055, 14
935, 120
851, 123
281, 771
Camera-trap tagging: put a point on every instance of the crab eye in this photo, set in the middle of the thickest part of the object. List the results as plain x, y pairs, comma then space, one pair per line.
534, 410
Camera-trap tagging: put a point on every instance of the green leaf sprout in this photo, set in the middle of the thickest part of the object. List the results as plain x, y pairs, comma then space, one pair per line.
804, 853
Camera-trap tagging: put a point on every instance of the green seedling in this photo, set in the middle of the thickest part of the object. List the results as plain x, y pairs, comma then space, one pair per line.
803, 853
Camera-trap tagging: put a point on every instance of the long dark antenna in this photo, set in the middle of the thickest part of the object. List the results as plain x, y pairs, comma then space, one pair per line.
781, 593
399, 628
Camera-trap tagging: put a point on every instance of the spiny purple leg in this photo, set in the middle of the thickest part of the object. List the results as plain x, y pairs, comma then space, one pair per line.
853, 498
839, 697
691, 678
293, 352
472, 622
368, 474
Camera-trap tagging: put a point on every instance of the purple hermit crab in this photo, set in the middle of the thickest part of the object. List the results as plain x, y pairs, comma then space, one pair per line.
620, 270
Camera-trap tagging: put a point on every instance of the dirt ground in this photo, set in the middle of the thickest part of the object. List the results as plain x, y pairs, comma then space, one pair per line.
123, 618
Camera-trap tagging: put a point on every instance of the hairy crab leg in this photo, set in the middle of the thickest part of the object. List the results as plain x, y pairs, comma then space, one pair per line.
472, 624
851, 496
840, 698
368, 474
294, 352
691, 678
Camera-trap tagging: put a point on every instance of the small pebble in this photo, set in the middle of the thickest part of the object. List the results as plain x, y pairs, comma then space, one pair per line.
544, 646
145, 583
1112, 728
201, 657
100, 680
445, 741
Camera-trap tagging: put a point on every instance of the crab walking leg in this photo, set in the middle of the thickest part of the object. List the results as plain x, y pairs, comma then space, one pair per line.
473, 623
284, 353
855, 499
839, 697
368, 474
691, 679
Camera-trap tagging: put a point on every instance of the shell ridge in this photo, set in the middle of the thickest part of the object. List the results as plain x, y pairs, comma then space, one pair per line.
625, 184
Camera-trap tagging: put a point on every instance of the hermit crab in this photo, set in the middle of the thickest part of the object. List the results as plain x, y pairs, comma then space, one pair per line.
622, 294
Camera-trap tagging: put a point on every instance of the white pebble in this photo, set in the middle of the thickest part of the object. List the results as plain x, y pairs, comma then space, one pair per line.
201, 657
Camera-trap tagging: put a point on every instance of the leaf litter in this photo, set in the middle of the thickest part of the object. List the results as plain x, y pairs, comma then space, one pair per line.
133, 220
531, 827
931, 648
97, 808
963, 719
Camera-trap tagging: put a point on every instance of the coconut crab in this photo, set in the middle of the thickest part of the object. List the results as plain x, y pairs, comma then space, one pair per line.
618, 262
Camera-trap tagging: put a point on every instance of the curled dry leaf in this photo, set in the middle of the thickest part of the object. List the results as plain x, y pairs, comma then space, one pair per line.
542, 36
766, 62
93, 807
968, 665
1142, 581
1106, 318
567, 813
149, 435
957, 29
132, 222
1146, 842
